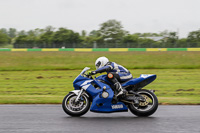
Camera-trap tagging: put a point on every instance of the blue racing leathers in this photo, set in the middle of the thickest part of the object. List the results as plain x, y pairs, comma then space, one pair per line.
112, 67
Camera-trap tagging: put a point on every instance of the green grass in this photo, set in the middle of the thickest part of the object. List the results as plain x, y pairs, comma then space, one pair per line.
66, 60
173, 86
46, 77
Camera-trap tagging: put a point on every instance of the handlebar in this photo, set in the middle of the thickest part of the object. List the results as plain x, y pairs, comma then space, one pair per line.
88, 76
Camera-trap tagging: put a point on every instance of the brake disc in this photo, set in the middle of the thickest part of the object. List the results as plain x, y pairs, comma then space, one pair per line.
73, 104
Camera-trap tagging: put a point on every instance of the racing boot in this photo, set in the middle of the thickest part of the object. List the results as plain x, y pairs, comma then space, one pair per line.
116, 83
119, 89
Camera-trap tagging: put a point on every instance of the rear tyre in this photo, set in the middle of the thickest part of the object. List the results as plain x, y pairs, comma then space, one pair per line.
73, 108
146, 108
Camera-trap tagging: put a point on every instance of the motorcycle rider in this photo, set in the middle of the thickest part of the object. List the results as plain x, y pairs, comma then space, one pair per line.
115, 73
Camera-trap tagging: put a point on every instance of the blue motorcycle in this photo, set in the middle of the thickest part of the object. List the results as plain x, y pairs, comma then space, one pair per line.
97, 95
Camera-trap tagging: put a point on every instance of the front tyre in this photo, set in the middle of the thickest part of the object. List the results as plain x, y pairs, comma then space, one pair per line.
146, 108
75, 108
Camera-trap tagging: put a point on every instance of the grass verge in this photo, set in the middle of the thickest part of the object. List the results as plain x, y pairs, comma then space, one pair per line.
173, 86
66, 60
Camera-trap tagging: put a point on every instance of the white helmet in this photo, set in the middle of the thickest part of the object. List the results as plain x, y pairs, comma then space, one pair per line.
101, 61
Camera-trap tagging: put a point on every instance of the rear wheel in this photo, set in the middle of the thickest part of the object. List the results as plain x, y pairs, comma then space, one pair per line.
75, 108
147, 107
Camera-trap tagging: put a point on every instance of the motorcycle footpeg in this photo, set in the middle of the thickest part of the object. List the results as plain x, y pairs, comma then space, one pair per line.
131, 92
125, 91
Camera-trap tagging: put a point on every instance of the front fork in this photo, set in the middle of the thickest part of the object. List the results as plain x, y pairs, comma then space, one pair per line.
78, 96
79, 93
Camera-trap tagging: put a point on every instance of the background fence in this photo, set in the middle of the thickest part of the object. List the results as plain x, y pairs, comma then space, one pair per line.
110, 45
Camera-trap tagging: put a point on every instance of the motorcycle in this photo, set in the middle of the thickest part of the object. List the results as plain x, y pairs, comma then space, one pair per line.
98, 95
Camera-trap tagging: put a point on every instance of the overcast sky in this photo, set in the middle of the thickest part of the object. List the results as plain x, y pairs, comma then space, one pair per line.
135, 15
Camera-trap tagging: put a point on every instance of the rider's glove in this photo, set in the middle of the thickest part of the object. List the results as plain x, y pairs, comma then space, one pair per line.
91, 72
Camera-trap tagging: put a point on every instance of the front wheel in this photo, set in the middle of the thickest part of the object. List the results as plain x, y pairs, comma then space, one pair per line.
146, 108
75, 108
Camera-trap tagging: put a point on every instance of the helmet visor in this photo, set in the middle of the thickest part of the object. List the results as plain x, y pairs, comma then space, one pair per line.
98, 65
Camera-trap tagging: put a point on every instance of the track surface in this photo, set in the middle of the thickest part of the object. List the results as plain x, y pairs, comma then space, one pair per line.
52, 119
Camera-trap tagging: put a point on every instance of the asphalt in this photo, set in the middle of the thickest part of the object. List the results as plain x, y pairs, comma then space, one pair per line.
52, 119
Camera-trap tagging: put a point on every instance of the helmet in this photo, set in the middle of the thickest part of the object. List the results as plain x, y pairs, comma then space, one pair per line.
101, 61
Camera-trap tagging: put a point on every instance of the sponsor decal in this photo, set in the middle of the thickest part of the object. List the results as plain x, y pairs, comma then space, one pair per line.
117, 106
110, 75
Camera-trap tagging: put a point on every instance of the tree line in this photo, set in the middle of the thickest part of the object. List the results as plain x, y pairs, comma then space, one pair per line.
109, 35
